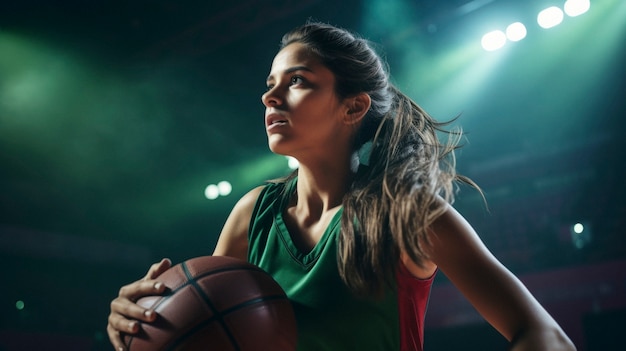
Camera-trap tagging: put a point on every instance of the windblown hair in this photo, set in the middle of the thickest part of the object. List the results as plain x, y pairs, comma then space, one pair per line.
410, 175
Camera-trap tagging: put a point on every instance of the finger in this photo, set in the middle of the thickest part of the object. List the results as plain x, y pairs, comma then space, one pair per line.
115, 337
122, 324
158, 268
141, 288
124, 318
125, 310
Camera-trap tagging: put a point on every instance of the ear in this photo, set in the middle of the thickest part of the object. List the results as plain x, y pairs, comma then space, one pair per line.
357, 106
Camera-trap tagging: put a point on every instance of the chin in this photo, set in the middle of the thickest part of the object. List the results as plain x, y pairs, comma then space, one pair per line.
275, 147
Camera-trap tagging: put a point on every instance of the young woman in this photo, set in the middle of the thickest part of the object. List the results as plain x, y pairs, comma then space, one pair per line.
357, 234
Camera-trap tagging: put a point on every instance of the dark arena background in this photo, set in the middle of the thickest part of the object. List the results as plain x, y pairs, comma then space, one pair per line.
128, 129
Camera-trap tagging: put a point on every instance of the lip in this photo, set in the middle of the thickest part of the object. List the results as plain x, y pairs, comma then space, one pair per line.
274, 119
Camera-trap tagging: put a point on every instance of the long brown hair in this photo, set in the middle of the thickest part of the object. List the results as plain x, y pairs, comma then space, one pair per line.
405, 169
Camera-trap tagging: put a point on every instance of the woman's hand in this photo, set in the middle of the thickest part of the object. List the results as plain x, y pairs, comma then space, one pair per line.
125, 313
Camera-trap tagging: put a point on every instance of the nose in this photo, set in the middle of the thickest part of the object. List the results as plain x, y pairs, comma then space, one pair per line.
271, 98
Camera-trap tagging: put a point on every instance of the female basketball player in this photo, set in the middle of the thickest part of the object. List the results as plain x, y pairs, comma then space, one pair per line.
357, 234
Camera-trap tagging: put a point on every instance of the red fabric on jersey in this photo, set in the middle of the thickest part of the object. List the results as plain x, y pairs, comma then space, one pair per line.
413, 294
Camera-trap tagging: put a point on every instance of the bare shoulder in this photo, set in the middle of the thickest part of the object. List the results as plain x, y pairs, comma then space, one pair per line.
233, 240
458, 250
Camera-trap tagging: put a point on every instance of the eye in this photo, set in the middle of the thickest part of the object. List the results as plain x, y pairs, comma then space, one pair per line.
269, 87
296, 80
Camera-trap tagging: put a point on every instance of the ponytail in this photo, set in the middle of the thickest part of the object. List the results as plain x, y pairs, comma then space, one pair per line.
396, 197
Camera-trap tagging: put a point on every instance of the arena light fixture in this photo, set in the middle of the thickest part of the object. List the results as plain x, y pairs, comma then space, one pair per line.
581, 234
550, 17
211, 192
516, 31
292, 163
493, 40
224, 188
575, 8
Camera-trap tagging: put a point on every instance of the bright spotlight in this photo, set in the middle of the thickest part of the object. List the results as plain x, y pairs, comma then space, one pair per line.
575, 8
292, 162
550, 17
224, 188
493, 40
578, 228
516, 31
212, 192
581, 234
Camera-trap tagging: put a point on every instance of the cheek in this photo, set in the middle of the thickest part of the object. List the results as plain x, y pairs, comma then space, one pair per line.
315, 106
320, 103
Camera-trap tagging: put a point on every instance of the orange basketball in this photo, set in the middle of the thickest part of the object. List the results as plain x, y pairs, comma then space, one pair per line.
217, 303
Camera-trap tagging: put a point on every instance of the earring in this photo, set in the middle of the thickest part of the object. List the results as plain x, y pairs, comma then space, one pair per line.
364, 153
354, 162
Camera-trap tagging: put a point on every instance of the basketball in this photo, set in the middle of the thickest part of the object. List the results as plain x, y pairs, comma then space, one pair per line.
217, 303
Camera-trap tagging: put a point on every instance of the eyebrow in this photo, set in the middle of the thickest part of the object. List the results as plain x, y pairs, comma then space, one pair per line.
291, 70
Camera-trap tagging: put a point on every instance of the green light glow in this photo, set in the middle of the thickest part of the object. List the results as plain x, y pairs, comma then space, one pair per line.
551, 69
58, 109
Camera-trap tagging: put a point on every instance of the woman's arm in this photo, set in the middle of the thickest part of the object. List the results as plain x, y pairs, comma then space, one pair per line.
125, 313
492, 289
233, 240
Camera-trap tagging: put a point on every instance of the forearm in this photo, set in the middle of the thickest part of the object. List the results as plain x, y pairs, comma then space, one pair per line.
550, 338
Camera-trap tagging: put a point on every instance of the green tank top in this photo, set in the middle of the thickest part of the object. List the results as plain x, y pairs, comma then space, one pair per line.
329, 316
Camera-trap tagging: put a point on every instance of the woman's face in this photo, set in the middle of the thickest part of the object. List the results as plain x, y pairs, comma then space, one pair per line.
303, 114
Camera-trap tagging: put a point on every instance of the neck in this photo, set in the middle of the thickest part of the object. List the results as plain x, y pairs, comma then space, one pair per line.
322, 188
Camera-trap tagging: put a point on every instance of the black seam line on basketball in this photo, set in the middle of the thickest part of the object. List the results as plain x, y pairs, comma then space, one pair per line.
130, 341
176, 343
218, 315
191, 279
252, 302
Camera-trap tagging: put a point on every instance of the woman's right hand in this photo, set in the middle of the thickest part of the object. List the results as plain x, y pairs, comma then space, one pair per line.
125, 313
